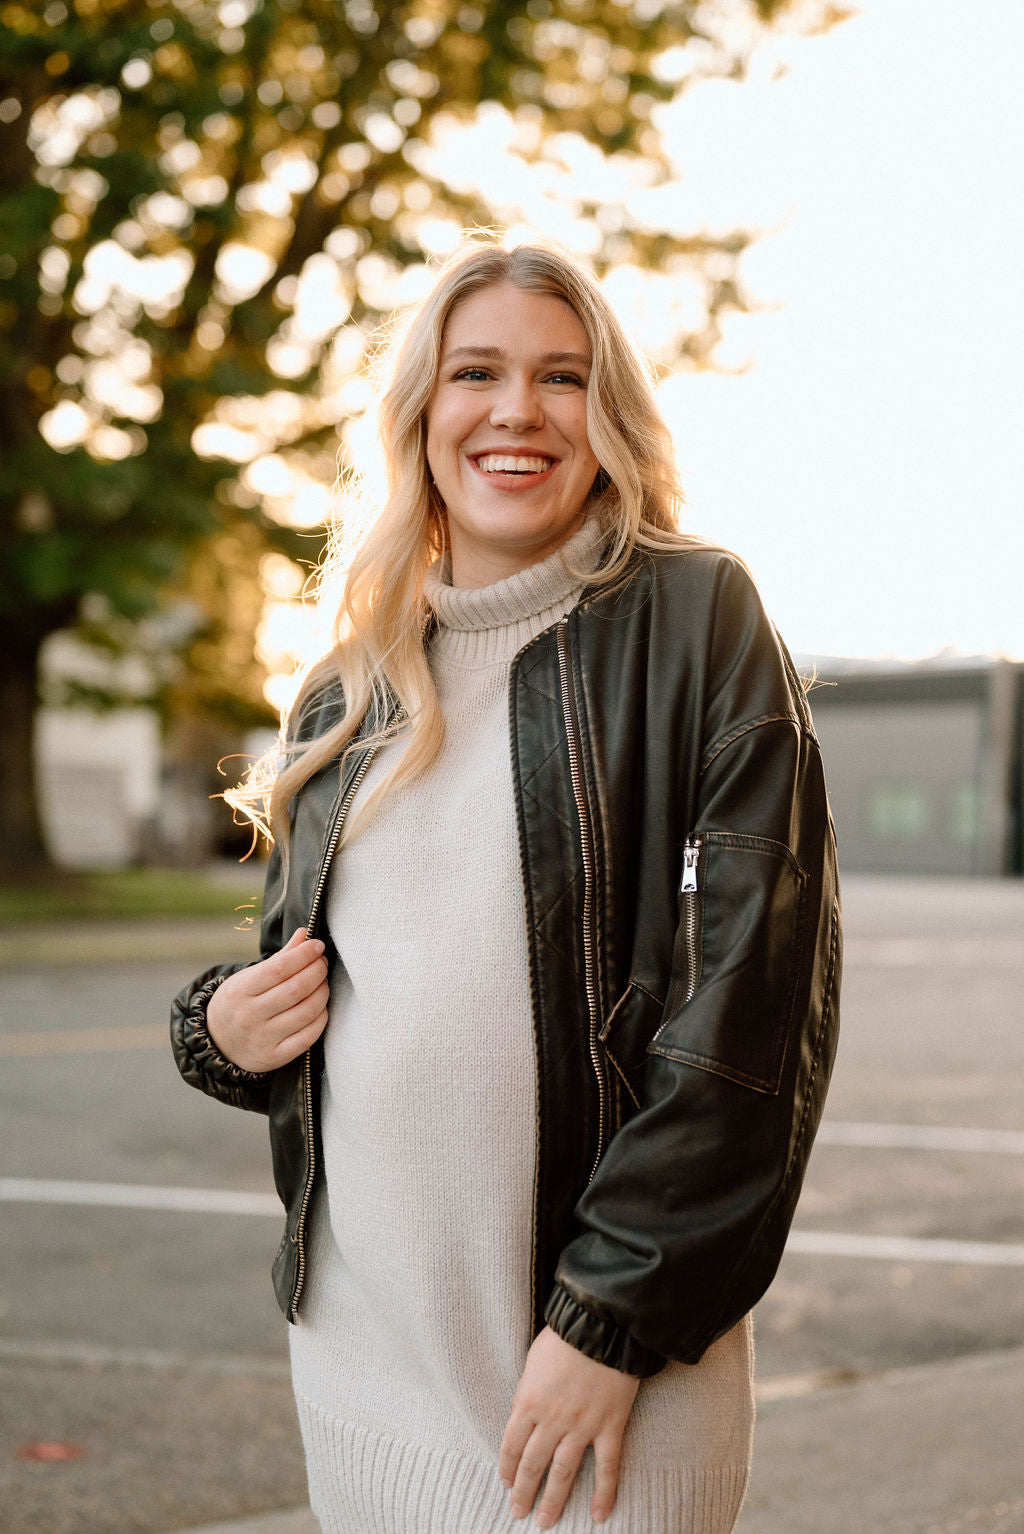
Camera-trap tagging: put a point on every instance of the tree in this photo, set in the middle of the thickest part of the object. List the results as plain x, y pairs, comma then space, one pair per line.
205, 206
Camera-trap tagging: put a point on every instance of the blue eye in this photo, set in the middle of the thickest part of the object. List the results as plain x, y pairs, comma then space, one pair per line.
472, 375
568, 378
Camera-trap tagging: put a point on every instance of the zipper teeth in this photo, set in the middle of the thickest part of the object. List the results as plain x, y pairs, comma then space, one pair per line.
307, 1192
587, 849
332, 845
692, 913
307, 1064
691, 944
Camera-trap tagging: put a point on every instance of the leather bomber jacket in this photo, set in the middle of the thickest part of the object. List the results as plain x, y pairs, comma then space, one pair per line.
683, 929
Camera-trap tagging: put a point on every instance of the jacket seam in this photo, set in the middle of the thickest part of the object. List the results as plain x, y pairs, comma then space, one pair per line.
783, 1188
799, 691
529, 909
716, 1068
622, 1074
659, 1001
745, 841
718, 746
605, 879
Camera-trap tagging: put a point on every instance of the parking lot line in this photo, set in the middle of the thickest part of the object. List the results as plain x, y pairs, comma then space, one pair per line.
89, 1355
939, 1137
73, 1041
828, 1243
119, 1195
817, 1243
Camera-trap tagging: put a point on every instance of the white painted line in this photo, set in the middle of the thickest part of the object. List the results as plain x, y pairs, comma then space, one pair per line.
818, 1243
927, 953
117, 1195
983, 1254
782, 1387
89, 1355
940, 1137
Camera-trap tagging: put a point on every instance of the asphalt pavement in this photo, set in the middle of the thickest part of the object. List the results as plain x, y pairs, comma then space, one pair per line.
143, 1362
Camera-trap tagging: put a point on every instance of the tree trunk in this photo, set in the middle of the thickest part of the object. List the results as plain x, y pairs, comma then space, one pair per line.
22, 849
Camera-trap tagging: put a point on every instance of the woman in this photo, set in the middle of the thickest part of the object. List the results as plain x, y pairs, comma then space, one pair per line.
547, 1002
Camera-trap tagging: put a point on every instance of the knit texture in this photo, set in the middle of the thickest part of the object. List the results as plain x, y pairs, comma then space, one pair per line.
415, 1320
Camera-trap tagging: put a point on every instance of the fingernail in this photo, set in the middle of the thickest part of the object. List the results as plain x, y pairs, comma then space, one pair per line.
544, 1520
517, 1510
318, 945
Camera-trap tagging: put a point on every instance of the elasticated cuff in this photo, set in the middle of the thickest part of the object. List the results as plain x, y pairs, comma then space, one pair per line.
599, 1338
200, 1061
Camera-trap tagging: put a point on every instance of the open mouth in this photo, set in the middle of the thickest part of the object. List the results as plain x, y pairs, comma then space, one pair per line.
513, 463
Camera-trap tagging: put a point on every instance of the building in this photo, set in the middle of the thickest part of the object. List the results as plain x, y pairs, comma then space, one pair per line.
925, 763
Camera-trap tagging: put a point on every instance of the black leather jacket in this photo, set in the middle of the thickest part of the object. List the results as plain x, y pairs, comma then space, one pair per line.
682, 913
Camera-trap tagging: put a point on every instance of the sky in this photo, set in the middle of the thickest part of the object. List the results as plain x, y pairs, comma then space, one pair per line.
869, 464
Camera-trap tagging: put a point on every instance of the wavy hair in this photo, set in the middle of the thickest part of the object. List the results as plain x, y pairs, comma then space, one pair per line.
378, 654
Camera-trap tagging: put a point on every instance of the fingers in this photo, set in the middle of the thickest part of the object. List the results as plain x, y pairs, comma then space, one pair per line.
607, 1455
534, 1460
300, 1025
292, 959
514, 1441
561, 1459
563, 1402
270, 989
565, 1462
294, 990
265, 1015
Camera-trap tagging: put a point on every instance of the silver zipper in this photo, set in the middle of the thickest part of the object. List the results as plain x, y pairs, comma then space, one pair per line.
587, 849
691, 856
307, 1064
690, 889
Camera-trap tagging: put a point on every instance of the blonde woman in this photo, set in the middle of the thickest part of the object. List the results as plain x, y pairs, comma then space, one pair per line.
548, 995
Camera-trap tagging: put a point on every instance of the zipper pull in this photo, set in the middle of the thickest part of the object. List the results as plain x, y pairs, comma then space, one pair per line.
691, 852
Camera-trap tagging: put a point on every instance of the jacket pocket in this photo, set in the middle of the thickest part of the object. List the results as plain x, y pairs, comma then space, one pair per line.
736, 958
627, 1031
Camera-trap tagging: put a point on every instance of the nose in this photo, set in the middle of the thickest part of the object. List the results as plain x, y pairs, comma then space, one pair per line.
517, 405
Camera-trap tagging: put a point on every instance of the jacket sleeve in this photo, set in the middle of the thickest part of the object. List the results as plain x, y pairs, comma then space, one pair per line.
197, 1057
685, 1220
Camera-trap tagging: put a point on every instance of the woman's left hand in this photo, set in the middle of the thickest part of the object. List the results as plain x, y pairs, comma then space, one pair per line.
563, 1402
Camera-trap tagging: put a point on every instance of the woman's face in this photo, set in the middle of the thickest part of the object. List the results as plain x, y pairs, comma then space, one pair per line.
507, 431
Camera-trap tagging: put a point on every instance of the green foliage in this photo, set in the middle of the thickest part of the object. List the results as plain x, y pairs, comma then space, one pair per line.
131, 893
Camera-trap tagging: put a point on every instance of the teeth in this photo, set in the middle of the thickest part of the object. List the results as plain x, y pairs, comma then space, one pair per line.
510, 463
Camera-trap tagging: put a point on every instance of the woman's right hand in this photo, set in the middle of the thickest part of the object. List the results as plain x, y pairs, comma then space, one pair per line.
263, 1016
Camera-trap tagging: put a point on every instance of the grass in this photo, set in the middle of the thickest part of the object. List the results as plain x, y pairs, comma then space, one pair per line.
129, 893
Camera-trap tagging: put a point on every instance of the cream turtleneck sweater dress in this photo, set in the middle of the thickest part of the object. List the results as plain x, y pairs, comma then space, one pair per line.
415, 1320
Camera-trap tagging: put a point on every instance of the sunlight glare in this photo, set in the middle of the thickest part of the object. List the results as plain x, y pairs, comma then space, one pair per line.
241, 271
65, 426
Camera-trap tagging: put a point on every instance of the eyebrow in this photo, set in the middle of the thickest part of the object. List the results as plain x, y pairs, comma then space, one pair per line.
496, 353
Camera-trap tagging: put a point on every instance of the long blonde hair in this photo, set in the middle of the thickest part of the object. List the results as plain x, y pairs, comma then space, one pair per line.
378, 652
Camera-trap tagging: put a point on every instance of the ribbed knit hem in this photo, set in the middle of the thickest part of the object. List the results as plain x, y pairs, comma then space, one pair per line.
364, 1483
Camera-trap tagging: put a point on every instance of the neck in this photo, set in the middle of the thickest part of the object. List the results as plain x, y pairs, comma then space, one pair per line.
473, 568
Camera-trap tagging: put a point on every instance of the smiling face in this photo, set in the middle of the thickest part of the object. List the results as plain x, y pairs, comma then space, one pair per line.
507, 431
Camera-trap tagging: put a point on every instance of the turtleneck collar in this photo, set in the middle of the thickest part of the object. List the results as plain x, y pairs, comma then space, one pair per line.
522, 596
482, 627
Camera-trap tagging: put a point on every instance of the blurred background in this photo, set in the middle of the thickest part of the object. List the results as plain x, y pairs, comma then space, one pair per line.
808, 216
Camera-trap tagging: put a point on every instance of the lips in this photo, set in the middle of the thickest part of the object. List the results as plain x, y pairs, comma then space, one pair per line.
513, 463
